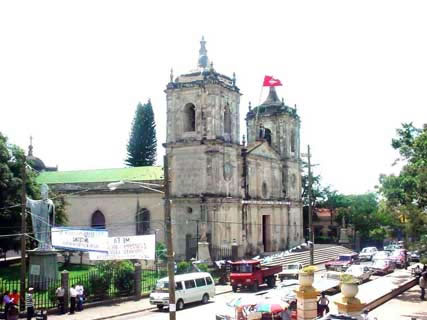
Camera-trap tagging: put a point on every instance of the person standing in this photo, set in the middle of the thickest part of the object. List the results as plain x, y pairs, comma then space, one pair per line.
29, 305
14, 296
423, 285
73, 296
7, 301
80, 297
60, 292
323, 304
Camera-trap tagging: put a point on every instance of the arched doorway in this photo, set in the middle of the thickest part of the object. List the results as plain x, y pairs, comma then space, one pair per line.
98, 220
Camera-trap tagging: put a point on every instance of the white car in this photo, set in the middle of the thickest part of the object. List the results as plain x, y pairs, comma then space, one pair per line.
367, 253
382, 255
360, 272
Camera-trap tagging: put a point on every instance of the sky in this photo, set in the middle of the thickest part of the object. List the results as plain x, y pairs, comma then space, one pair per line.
73, 72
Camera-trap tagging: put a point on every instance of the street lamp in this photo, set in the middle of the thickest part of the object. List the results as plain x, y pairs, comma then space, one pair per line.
168, 222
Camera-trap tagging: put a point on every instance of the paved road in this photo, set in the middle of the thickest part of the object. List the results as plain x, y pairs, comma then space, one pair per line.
198, 311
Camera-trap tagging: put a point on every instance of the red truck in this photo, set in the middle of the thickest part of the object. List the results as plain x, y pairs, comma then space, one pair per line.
250, 274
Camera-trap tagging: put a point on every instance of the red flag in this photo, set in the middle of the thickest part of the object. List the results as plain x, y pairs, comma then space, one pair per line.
269, 81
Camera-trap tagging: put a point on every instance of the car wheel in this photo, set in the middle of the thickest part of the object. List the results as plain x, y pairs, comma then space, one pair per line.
205, 298
160, 307
180, 304
234, 288
255, 286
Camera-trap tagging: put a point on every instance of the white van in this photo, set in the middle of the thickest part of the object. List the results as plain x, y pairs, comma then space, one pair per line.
189, 287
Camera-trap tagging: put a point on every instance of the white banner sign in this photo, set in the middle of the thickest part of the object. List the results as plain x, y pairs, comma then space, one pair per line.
133, 247
80, 239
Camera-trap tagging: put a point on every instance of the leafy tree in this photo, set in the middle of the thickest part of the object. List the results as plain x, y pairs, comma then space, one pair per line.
406, 193
142, 144
11, 168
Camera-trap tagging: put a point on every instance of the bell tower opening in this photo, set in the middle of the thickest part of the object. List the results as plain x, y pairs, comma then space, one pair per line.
189, 117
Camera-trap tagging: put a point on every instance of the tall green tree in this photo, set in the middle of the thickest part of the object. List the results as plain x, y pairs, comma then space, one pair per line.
142, 146
11, 169
406, 193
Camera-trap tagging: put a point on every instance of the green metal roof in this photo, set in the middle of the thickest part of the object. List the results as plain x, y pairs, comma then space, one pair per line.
101, 175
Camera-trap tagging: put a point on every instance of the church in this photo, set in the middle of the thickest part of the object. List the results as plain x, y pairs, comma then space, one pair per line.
222, 189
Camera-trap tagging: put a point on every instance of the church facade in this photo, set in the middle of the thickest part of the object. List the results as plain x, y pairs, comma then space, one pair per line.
231, 191
222, 190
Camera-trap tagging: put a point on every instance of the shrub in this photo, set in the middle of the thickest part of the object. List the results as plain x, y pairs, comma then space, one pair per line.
99, 284
309, 269
124, 279
348, 279
203, 267
183, 267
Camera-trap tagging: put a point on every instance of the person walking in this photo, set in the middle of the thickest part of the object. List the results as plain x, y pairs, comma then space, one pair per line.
80, 297
60, 292
73, 296
7, 301
29, 305
423, 285
323, 304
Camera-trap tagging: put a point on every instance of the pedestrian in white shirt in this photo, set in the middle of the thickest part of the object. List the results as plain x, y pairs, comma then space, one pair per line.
80, 297
73, 296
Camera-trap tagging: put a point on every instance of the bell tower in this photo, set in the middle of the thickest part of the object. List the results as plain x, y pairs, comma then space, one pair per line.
202, 145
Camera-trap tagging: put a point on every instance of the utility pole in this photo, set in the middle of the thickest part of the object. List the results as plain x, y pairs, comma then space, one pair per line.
23, 235
310, 209
168, 221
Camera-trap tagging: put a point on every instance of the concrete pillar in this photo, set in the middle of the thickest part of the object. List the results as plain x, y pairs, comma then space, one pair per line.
203, 252
306, 301
348, 304
138, 283
65, 285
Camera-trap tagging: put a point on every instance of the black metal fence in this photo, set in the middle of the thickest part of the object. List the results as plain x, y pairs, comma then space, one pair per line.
220, 253
98, 285
44, 290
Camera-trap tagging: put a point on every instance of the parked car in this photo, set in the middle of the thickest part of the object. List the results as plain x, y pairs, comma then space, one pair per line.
361, 273
414, 256
190, 287
382, 255
391, 247
290, 271
399, 257
382, 267
367, 253
342, 262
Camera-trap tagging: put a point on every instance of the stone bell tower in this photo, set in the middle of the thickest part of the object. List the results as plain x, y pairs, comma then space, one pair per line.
202, 146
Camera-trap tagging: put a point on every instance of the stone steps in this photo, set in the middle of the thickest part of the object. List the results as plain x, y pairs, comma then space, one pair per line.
321, 255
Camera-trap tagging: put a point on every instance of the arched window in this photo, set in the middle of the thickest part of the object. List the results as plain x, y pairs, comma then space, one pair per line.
293, 141
98, 220
189, 117
227, 120
143, 222
267, 135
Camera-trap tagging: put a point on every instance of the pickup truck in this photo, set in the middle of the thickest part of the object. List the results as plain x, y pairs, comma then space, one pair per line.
290, 271
250, 274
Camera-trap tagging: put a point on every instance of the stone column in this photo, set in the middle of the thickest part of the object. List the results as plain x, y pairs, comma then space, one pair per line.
306, 298
234, 251
65, 285
138, 284
203, 252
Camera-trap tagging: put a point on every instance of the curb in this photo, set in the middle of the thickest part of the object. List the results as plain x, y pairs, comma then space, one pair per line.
142, 309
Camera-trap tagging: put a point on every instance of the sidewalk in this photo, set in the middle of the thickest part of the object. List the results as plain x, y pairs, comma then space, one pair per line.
405, 306
119, 309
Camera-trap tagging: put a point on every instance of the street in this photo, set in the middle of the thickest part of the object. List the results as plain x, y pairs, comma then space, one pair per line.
198, 310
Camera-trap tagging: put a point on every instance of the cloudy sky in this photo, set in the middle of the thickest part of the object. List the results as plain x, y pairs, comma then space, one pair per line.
72, 73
